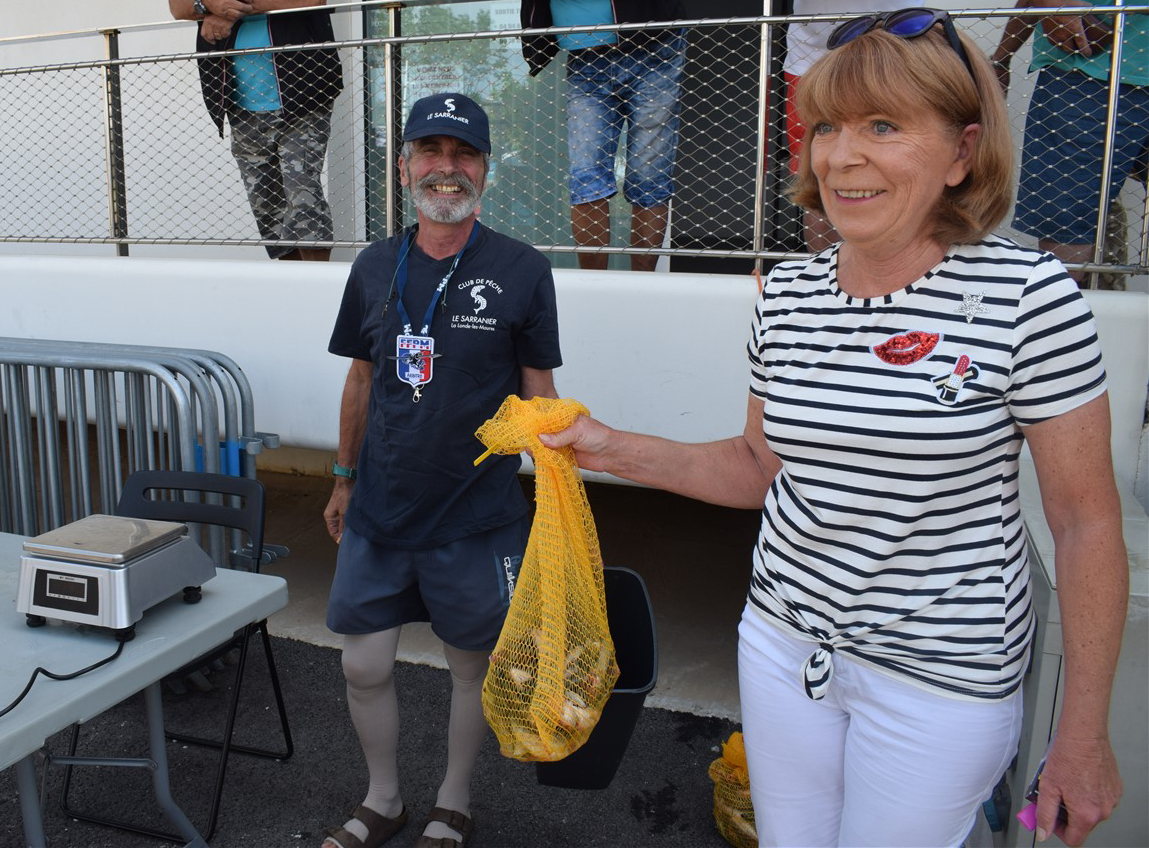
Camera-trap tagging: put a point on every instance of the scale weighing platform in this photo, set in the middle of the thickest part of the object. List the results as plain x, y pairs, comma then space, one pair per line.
106, 570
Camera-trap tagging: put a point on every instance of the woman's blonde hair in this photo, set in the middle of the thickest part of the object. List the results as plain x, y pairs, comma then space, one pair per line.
882, 74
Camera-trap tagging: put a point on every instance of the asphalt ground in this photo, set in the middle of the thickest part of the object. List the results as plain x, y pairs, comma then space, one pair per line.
660, 796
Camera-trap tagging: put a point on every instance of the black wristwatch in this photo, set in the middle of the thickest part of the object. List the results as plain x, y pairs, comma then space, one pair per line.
200, 8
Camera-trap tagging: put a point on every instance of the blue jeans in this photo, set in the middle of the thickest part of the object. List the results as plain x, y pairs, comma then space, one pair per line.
1060, 184
610, 87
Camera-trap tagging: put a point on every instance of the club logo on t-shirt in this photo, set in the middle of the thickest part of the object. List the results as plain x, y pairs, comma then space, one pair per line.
907, 348
479, 291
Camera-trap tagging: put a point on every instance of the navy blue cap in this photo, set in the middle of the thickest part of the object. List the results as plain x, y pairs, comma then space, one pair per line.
450, 114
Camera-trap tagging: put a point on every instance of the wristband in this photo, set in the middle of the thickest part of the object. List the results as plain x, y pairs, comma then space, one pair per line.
343, 471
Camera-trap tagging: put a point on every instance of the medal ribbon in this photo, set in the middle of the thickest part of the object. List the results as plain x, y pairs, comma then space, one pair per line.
401, 283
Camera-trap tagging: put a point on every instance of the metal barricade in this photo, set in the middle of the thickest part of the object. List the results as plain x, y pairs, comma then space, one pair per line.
233, 395
39, 390
169, 407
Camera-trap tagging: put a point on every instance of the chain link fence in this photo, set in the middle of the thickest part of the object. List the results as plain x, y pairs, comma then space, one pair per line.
121, 150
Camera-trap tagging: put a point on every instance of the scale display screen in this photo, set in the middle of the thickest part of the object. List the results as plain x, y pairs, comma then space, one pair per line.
68, 588
71, 592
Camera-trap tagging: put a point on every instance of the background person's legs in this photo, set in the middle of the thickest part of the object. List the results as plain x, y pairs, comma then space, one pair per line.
593, 128
306, 214
368, 663
647, 229
818, 232
1070, 254
590, 226
651, 90
255, 146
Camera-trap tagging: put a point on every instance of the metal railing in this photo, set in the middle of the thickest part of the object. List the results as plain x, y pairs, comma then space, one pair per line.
120, 151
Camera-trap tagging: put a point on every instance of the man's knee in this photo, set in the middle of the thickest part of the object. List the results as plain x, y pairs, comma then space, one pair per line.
468, 668
369, 660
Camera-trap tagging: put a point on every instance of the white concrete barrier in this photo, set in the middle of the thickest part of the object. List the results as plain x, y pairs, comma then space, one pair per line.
657, 353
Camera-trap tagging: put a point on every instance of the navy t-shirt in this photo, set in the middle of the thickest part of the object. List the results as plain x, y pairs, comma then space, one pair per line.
418, 486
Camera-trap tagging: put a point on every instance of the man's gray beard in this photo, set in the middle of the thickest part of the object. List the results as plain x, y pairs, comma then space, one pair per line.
446, 210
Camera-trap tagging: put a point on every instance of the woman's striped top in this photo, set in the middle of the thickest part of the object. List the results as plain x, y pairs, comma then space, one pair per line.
893, 532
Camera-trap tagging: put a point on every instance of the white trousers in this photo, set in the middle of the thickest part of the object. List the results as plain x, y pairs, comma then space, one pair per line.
877, 761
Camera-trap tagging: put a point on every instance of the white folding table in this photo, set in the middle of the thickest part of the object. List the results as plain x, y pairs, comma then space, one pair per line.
168, 636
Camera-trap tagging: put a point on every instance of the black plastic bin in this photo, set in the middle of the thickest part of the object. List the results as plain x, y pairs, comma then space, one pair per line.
631, 621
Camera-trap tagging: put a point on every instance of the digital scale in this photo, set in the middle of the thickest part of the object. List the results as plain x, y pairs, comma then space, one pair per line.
106, 570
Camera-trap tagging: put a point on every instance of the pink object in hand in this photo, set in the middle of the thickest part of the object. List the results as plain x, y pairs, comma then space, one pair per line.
1028, 816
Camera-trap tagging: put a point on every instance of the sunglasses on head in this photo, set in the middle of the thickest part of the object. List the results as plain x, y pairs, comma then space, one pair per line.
904, 23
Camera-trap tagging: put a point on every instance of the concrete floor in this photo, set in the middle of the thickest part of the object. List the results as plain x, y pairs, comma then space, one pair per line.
694, 559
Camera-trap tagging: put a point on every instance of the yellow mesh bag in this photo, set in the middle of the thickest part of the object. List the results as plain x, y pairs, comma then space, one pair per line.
553, 667
733, 811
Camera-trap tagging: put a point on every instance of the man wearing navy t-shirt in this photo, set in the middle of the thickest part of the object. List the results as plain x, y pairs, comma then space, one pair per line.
441, 323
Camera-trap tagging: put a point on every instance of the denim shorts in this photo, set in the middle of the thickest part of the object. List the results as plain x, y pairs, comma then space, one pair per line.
1060, 185
463, 588
639, 88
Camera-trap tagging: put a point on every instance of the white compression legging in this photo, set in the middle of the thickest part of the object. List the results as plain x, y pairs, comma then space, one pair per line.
368, 663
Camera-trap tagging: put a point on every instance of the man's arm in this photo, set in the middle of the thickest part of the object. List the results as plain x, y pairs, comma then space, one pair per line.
733, 472
229, 10
537, 383
276, 5
352, 428
1016, 33
216, 25
1075, 472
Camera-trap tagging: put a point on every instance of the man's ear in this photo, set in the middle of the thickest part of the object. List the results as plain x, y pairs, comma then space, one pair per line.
402, 172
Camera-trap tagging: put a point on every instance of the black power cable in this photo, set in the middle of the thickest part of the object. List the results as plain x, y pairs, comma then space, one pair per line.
52, 675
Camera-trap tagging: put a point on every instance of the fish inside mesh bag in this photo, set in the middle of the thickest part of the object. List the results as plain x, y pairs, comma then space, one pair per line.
733, 810
554, 666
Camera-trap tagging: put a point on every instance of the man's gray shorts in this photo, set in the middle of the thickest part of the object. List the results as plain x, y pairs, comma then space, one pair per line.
463, 588
280, 162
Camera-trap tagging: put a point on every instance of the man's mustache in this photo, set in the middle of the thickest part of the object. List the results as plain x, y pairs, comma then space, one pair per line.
459, 180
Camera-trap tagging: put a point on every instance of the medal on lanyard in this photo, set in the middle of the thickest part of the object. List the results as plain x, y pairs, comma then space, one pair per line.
415, 352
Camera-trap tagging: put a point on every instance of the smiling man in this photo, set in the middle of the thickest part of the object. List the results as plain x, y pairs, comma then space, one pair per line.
441, 323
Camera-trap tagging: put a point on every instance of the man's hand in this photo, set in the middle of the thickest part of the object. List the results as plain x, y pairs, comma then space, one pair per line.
1066, 32
337, 508
231, 10
215, 29
1082, 774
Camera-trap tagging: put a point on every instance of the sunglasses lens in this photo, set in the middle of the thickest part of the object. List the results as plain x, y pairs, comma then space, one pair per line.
849, 31
911, 22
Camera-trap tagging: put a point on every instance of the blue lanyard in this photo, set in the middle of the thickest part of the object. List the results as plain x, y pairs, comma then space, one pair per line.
401, 282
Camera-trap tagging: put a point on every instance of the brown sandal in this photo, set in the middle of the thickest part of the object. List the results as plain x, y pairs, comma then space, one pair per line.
454, 820
379, 829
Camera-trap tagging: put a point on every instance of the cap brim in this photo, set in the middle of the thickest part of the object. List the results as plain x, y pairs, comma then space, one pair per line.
480, 144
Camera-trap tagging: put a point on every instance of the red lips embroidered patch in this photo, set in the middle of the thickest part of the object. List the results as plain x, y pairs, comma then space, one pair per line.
907, 348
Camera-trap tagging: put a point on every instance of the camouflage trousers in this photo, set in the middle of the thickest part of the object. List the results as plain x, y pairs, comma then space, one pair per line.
281, 162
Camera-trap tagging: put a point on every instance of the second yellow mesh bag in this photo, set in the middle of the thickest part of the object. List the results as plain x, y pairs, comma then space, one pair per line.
553, 667
733, 810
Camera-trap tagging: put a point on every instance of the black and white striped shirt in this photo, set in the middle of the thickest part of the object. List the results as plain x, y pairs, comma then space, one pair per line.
893, 532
